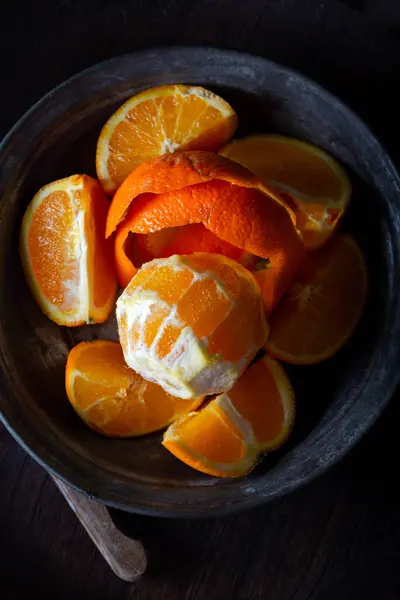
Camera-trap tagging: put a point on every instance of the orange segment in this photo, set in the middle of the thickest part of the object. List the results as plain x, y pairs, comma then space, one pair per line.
304, 176
159, 121
169, 283
67, 261
113, 399
199, 319
226, 437
194, 307
207, 443
264, 398
322, 309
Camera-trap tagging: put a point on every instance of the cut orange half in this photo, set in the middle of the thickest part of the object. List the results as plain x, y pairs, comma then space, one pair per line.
159, 121
67, 261
114, 400
226, 437
319, 314
308, 179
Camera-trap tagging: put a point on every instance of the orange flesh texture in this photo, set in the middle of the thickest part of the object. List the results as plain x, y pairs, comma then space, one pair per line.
320, 312
290, 163
258, 399
166, 121
245, 323
60, 224
210, 436
213, 443
51, 259
113, 399
230, 330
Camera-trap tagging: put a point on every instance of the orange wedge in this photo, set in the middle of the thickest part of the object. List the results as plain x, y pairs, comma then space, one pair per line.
303, 176
67, 261
191, 323
159, 121
226, 437
114, 400
319, 314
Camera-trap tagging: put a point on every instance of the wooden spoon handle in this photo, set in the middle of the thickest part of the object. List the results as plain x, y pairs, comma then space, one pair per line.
125, 555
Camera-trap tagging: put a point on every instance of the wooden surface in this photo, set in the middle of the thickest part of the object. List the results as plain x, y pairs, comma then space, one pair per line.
340, 536
124, 554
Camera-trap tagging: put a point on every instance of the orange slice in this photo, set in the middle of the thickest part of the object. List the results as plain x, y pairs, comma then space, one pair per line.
114, 400
67, 261
191, 323
159, 121
321, 311
304, 176
226, 437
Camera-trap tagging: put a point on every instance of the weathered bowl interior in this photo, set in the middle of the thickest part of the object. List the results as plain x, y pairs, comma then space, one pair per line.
337, 400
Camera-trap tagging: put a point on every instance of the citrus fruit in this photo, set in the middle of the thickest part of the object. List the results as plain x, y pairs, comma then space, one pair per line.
114, 400
226, 437
159, 121
319, 314
67, 261
304, 176
191, 323
204, 188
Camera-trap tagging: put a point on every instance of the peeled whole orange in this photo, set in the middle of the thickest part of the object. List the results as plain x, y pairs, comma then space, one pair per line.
191, 323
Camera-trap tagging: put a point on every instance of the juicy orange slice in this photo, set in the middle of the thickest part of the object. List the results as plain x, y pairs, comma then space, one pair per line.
321, 311
67, 261
159, 121
227, 436
114, 400
191, 323
304, 176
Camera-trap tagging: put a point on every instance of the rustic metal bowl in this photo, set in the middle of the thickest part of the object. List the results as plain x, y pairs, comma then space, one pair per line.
337, 400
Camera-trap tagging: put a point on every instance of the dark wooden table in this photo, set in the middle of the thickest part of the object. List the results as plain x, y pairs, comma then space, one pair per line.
339, 538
